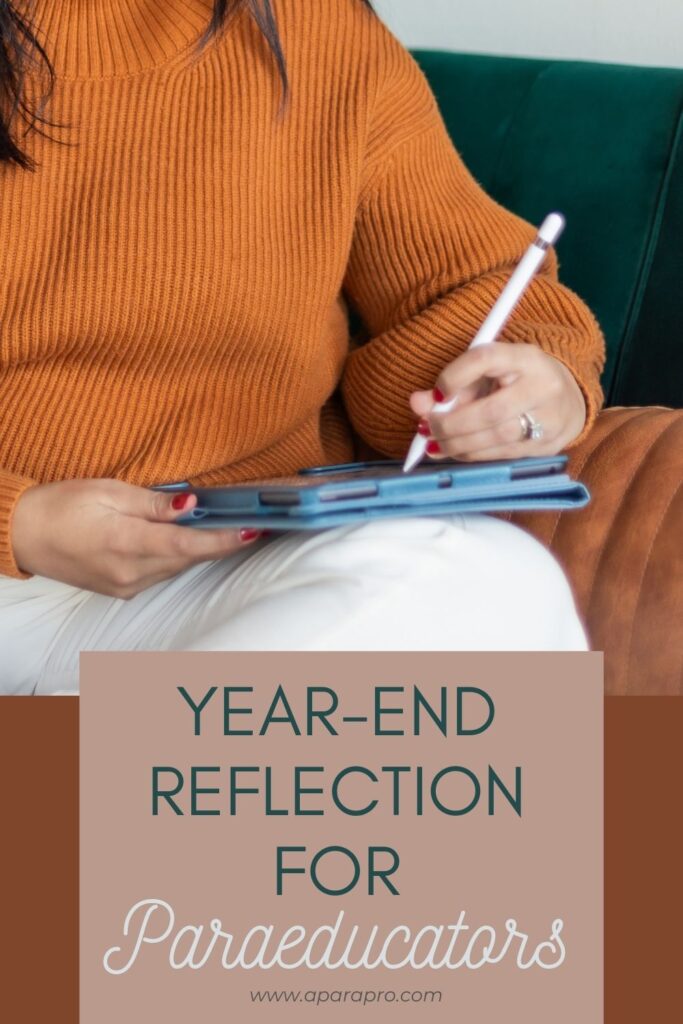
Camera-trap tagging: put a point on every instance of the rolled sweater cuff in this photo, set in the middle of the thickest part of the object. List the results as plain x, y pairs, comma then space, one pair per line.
592, 395
11, 489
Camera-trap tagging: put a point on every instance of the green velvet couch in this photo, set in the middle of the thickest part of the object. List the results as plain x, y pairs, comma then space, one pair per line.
604, 144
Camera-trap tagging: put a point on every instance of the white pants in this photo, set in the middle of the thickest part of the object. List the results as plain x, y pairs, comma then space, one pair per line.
453, 583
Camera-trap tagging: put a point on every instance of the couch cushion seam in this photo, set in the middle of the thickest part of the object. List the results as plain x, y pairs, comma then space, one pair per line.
578, 469
629, 483
642, 578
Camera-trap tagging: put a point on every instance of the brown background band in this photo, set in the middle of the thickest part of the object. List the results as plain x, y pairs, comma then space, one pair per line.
39, 859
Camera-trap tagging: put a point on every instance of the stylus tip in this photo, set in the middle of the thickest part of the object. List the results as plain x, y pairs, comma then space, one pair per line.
415, 453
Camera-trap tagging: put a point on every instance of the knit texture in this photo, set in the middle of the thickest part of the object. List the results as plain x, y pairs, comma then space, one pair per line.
175, 277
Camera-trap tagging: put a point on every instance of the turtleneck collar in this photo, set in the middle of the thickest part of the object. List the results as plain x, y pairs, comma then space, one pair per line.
114, 38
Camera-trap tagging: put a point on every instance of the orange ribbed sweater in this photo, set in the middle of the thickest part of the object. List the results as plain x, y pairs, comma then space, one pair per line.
174, 282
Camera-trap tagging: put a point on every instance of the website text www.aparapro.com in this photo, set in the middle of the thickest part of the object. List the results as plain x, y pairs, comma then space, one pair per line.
362, 997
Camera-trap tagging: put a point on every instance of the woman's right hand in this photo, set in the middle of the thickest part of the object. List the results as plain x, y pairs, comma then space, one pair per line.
112, 537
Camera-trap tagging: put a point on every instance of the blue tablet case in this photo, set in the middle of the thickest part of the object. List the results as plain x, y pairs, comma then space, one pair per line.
327, 496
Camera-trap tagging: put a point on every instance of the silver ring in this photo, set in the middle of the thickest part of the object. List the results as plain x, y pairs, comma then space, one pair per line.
532, 430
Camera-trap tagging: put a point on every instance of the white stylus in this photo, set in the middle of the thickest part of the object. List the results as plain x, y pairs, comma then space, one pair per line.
550, 230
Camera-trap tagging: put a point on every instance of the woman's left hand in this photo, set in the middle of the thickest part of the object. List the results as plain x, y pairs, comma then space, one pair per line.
522, 378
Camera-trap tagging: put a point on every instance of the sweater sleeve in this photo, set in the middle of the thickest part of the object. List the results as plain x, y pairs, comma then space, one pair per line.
431, 253
12, 487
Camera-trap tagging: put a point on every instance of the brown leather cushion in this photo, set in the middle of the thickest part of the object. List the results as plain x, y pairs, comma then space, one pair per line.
624, 553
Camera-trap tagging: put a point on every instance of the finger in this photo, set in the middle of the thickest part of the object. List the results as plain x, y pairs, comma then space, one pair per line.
519, 450
154, 506
487, 413
507, 435
422, 402
186, 546
495, 360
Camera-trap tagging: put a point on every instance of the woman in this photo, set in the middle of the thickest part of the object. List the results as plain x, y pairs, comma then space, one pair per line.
184, 234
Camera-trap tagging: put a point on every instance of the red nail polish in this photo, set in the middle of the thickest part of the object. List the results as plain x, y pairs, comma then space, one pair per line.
180, 501
424, 429
249, 534
438, 395
433, 448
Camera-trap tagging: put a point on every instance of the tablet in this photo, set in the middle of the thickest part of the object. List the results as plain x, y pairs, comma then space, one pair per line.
327, 496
